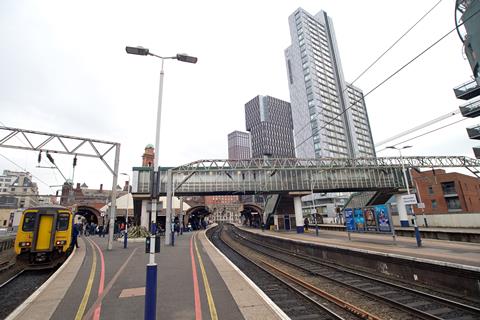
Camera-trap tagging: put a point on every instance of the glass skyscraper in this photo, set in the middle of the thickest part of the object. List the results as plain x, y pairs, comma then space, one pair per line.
329, 115
269, 120
239, 146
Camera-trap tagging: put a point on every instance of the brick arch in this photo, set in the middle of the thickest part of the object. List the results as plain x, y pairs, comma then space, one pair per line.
253, 207
194, 209
91, 214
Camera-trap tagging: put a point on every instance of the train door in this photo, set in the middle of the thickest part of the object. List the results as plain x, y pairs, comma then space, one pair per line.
45, 231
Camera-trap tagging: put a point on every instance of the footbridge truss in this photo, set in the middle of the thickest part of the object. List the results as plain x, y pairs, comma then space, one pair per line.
287, 176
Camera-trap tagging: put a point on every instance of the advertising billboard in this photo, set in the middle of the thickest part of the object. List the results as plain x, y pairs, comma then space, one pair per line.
370, 221
359, 219
383, 219
349, 221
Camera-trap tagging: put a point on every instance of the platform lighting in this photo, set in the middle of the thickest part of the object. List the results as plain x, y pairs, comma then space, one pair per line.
151, 287
415, 226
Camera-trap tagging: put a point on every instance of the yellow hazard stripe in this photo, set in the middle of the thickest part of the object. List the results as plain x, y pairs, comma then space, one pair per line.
211, 303
86, 295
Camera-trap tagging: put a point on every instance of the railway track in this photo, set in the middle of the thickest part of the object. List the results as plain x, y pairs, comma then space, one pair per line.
417, 304
15, 289
296, 300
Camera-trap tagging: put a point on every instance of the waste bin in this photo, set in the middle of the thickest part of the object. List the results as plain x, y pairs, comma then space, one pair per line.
157, 244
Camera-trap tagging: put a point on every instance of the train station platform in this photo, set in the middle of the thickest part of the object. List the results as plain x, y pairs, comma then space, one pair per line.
440, 233
443, 252
194, 282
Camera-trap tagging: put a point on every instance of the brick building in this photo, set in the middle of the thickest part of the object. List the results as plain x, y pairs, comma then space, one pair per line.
443, 192
224, 208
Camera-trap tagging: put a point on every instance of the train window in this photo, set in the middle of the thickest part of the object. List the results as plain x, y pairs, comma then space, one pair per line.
29, 221
62, 221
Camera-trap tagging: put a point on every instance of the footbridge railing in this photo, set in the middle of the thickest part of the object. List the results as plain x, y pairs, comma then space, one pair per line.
254, 176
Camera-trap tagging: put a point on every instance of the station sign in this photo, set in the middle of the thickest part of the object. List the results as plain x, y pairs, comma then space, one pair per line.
409, 199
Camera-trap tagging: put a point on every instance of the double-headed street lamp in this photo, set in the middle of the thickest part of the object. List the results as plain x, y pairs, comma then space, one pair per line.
415, 226
125, 236
151, 287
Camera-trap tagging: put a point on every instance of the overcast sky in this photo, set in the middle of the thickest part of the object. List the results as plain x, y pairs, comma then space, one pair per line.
64, 70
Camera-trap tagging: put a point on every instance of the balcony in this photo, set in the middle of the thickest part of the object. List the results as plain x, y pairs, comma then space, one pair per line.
474, 132
467, 90
471, 109
476, 151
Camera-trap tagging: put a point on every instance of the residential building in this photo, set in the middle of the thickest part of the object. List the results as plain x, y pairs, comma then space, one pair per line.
329, 115
443, 192
269, 120
21, 186
468, 31
8, 205
239, 146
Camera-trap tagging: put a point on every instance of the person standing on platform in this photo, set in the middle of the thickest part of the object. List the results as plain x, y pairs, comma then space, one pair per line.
75, 235
306, 222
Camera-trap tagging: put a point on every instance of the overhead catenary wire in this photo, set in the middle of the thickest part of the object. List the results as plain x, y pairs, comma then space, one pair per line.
419, 127
382, 55
24, 170
387, 79
424, 134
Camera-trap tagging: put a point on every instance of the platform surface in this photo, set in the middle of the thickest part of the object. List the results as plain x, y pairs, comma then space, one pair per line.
460, 254
194, 282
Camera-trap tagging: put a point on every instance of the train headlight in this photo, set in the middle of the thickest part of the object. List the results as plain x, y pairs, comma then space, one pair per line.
61, 242
25, 244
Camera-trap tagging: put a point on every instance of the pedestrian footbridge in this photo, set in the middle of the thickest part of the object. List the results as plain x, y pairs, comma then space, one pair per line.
287, 176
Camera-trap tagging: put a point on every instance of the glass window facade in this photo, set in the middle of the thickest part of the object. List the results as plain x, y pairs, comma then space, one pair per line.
329, 115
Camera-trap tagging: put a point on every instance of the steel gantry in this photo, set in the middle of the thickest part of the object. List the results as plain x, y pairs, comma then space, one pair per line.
254, 176
64, 144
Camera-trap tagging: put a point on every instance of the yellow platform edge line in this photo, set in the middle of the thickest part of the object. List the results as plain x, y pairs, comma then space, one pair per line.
88, 289
211, 303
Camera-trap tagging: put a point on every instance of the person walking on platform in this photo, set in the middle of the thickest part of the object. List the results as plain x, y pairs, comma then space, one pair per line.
75, 235
100, 231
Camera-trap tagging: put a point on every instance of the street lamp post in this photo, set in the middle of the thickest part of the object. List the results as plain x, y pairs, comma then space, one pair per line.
151, 282
415, 226
125, 236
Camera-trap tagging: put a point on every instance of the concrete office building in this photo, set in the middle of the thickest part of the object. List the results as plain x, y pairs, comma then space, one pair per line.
269, 120
324, 120
239, 145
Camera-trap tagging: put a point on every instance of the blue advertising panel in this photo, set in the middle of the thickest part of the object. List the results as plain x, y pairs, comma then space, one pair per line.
359, 219
349, 221
381, 214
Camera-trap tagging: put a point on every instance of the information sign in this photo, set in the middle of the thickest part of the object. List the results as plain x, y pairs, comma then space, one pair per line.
409, 199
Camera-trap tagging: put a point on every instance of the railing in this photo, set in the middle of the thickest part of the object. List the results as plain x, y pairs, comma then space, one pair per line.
449, 190
267, 176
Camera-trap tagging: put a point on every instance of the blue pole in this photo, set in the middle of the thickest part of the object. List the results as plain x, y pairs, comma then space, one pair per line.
151, 292
417, 231
125, 240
